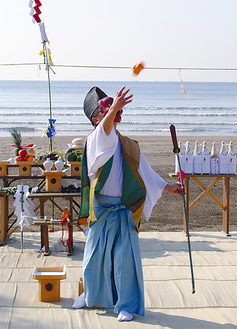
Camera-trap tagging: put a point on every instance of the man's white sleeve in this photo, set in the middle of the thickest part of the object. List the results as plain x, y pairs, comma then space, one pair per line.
154, 183
100, 148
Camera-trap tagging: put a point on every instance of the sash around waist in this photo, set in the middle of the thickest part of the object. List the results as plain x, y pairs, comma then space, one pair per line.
111, 203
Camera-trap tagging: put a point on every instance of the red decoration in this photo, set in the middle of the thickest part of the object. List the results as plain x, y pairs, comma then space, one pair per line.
29, 145
37, 10
69, 241
183, 175
65, 218
38, 3
37, 18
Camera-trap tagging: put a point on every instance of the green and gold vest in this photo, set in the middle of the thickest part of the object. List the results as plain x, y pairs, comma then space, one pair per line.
133, 188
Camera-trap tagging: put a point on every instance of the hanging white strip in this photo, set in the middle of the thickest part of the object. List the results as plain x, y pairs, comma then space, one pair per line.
32, 12
43, 34
31, 3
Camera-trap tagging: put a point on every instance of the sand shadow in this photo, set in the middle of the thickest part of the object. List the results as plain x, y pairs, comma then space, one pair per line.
162, 320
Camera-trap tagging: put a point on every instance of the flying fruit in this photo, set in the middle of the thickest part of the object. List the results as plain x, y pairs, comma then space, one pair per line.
138, 67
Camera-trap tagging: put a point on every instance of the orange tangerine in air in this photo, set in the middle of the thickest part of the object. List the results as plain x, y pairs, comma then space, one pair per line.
138, 67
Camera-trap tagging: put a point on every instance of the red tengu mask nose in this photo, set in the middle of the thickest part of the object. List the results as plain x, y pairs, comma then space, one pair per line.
104, 104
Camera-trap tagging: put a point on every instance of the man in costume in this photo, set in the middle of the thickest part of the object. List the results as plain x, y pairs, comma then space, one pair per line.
118, 187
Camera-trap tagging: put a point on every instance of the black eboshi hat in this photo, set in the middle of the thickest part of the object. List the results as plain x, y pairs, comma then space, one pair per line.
91, 101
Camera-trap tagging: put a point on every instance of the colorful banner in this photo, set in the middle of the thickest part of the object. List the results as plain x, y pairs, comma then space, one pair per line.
35, 11
51, 130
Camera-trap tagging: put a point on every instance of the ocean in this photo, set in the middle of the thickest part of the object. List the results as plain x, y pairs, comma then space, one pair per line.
210, 110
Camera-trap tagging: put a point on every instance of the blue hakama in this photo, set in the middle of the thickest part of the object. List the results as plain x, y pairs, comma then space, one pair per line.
112, 269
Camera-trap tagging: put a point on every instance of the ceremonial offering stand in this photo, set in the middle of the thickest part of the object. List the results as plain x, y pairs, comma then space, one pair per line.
44, 224
49, 282
53, 180
206, 190
8, 178
75, 167
25, 167
6, 229
3, 167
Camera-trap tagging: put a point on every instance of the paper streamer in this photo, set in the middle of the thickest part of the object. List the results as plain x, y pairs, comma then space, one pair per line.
43, 34
35, 11
182, 86
51, 130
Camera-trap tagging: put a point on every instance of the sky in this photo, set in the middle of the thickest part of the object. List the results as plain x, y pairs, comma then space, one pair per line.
120, 33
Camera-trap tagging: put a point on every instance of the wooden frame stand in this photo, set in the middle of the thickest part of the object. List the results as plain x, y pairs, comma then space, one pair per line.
225, 205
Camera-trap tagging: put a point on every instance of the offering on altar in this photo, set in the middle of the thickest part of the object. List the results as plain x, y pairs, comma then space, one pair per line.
201, 162
22, 152
78, 143
74, 157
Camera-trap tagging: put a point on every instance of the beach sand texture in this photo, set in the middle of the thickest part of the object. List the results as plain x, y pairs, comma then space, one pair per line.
167, 215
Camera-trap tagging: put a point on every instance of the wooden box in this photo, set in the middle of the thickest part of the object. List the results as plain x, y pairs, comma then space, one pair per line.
75, 167
49, 282
24, 167
53, 180
3, 167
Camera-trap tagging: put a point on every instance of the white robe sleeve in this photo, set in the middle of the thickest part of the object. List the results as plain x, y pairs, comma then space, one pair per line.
154, 183
100, 148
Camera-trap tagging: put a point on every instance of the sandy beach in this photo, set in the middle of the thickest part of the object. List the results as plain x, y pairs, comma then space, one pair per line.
167, 215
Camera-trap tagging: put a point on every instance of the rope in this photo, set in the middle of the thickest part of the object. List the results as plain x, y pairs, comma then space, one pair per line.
125, 67
69, 241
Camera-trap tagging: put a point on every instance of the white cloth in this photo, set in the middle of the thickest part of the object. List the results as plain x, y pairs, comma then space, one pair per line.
43, 34
25, 216
100, 148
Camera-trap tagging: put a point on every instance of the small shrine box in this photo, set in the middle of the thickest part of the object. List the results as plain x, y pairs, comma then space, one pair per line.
24, 167
53, 180
3, 167
49, 282
75, 168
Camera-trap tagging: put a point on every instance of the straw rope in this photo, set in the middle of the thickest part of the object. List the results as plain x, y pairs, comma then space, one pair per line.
126, 67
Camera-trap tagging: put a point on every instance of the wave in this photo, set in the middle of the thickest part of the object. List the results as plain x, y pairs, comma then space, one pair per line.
124, 123
39, 113
138, 112
83, 131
